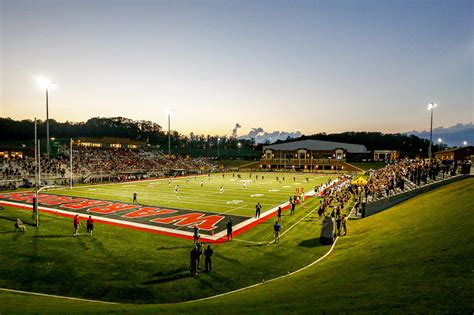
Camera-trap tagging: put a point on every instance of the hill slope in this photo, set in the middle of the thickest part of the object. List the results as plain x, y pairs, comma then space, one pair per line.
415, 257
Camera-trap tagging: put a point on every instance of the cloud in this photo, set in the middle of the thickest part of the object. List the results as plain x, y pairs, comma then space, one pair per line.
254, 132
234, 131
260, 136
452, 136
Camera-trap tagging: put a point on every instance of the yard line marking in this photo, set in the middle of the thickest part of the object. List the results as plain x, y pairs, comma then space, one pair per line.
56, 296
232, 209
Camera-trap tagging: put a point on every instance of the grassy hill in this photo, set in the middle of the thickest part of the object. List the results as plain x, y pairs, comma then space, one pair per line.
415, 257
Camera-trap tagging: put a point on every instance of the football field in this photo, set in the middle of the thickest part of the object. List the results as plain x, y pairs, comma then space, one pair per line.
173, 206
239, 196
132, 265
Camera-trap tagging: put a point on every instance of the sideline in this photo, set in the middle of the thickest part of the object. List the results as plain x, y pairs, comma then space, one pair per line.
192, 301
56, 296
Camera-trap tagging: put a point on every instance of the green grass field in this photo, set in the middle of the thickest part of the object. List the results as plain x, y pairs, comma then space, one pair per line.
235, 200
415, 257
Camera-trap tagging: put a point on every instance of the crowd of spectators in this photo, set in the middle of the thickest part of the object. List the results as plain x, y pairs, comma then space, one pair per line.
395, 177
97, 161
335, 195
18, 168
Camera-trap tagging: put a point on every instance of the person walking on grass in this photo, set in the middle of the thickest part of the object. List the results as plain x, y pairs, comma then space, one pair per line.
276, 232
90, 226
293, 206
76, 225
279, 214
208, 258
257, 210
229, 229
135, 197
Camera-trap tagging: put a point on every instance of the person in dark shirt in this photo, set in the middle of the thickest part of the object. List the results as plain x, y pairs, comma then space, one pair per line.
257, 210
198, 255
193, 262
90, 226
276, 232
338, 225
208, 258
279, 214
293, 206
229, 229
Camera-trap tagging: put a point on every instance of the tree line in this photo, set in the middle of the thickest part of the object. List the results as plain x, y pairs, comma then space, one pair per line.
408, 145
149, 132
153, 135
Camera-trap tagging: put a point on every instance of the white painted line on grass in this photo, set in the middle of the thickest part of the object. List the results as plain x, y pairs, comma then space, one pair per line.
293, 225
56, 296
245, 241
271, 280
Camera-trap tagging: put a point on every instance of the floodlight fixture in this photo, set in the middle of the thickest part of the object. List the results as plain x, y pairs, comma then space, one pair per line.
432, 105
46, 83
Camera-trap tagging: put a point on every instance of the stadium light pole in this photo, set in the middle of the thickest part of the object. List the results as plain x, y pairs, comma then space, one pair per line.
170, 112
48, 85
70, 161
218, 152
464, 143
431, 107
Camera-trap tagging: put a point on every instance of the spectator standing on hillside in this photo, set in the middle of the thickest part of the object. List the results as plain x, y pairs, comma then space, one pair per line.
208, 258
76, 225
344, 224
90, 226
276, 232
338, 225
257, 210
229, 229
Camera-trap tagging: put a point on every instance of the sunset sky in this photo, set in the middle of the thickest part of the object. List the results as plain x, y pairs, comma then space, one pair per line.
311, 66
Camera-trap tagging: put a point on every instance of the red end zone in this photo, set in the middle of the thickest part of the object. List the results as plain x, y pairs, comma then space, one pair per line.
159, 220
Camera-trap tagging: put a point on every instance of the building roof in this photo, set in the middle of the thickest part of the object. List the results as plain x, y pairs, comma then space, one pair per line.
467, 148
317, 145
